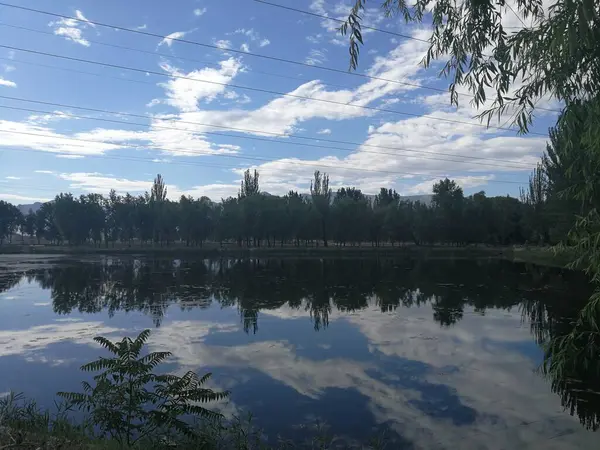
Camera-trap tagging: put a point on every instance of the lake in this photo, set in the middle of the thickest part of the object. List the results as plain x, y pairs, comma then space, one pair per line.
424, 353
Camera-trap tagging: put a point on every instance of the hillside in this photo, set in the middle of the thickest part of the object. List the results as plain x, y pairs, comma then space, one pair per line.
31, 207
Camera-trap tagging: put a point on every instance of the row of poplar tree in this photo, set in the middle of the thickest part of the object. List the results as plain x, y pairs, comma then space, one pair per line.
346, 217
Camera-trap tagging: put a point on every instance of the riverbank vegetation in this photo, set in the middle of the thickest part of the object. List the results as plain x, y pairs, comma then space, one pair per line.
255, 219
555, 55
131, 406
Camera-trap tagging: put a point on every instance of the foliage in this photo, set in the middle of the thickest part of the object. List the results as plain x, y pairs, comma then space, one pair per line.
23, 424
555, 55
348, 217
321, 199
10, 218
129, 402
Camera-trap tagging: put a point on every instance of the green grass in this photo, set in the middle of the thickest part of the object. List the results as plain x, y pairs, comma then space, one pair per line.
23, 425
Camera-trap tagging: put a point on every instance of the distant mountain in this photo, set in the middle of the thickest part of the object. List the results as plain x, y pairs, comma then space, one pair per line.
32, 207
425, 199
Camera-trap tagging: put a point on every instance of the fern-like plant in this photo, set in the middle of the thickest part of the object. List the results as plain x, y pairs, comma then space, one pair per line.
129, 402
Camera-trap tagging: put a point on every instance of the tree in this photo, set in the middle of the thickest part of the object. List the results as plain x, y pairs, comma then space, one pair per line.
448, 199
535, 200
321, 199
129, 402
250, 184
556, 55
10, 218
384, 215
350, 216
29, 224
158, 192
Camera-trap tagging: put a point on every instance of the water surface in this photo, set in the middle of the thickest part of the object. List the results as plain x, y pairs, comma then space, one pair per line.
431, 354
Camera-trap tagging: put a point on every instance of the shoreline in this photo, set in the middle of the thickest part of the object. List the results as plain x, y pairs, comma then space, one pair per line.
544, 256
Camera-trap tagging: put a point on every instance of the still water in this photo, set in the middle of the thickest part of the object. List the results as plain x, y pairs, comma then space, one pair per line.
429, 354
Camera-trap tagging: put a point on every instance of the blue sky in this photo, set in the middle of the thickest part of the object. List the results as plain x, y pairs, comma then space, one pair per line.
182, 88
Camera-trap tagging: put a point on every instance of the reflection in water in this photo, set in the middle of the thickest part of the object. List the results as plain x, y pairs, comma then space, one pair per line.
347, 285
578, 384
453, 291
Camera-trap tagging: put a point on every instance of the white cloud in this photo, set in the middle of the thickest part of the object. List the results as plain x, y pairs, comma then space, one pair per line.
81, 17
199, 11
73, 34
324, 131
245, 48
141, 27
96, 182
8, 68
29, 340
26, 135
72, 29
426, 187
13, 178
70, 156
316, 57
185, 93
7, 83
100, 183
169, 39
40, 119
264, 43
250, 32
315, 38
46, 172
153, 102
8, 197
223, 43
339, 42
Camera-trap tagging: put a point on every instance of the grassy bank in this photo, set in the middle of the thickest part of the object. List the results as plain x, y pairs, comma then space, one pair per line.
536, 255
25, 426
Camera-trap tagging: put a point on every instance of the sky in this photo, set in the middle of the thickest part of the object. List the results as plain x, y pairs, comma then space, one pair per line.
201, 112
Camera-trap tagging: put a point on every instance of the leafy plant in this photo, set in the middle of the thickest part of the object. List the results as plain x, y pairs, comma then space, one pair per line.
129, 402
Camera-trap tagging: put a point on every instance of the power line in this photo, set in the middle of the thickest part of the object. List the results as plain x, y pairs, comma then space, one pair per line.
267, 91
165, 55
516, 15
226, 49
125, 158
102, 111
215, 47
322, 16
503, 166
263, 160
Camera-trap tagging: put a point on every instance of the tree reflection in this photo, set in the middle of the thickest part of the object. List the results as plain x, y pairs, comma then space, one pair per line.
574, 376
318, 286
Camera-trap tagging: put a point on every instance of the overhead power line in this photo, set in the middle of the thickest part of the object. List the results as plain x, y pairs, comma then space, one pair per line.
322, 16
246, 130
54, 113
227, 49
171, 56
249, 158
253, 89
201, 44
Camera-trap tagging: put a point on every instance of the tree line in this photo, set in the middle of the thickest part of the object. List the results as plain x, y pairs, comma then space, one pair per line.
348, 217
